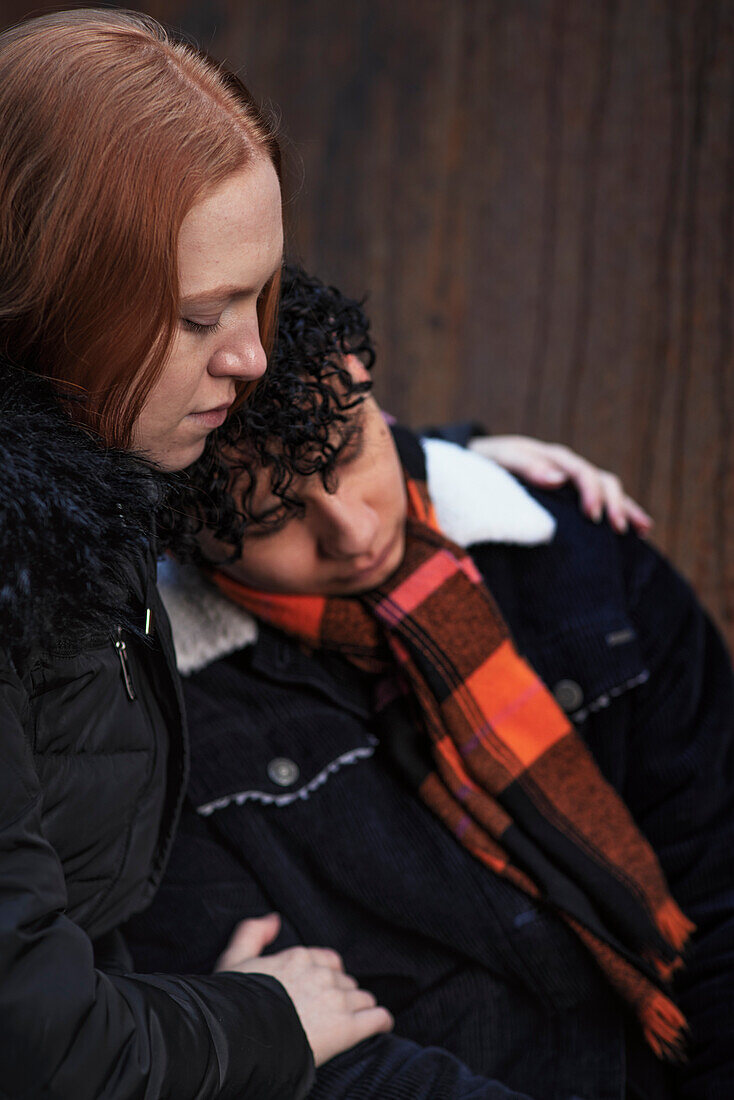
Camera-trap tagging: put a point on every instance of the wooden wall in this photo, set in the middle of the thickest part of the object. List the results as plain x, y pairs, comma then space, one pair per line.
537, 195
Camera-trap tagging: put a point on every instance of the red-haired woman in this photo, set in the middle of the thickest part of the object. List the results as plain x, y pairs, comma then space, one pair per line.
141, 233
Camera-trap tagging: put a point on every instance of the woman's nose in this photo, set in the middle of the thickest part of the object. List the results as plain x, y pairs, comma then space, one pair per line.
347, 527
240, 355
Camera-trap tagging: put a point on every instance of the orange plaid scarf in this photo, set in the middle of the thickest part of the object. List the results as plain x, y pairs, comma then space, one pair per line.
510, 776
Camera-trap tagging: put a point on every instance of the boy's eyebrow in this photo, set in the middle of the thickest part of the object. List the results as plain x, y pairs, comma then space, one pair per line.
350, 450
352, 447
263, 531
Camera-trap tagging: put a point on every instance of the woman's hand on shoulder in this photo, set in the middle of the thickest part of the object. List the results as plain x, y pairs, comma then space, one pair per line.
335, 1013
550, 465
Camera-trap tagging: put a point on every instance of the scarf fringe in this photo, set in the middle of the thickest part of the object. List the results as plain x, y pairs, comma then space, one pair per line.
667, 970
664, 1026
674, 925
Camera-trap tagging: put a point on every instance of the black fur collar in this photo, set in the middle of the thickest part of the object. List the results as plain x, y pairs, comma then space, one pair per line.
75, 522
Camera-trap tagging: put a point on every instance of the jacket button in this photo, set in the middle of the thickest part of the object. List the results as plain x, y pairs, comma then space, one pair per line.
568, 695
282, 771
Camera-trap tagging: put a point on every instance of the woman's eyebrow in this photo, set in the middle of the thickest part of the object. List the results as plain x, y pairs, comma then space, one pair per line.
226, 290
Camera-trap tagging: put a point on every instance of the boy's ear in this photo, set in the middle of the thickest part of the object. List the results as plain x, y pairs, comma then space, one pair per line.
356, 368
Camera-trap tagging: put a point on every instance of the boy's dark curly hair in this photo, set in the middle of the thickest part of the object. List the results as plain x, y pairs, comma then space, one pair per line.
295, 423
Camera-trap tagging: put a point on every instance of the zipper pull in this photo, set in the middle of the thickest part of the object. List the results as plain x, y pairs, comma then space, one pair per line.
124, 664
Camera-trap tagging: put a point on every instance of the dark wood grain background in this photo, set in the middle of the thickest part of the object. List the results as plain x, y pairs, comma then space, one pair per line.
537, 195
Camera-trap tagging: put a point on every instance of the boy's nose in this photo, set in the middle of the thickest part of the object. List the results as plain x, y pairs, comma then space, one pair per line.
349, 529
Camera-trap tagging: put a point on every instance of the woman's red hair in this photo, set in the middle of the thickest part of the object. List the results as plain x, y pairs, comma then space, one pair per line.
110, 130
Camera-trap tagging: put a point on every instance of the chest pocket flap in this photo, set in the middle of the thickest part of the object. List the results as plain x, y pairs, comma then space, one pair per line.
263, 741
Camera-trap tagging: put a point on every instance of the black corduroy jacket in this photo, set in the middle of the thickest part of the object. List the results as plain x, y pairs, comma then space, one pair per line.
293, 806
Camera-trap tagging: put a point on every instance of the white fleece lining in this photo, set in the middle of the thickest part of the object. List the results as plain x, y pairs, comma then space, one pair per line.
478, 501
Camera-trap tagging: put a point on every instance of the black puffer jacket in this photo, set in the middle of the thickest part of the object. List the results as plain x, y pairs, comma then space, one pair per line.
92, 765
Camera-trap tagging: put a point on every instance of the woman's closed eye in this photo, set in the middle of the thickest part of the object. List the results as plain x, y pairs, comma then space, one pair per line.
197, 326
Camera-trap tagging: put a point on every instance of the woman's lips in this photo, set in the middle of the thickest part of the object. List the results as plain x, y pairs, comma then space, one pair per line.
213, 418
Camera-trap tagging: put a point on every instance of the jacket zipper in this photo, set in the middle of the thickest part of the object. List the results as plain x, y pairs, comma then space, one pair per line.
124, 664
